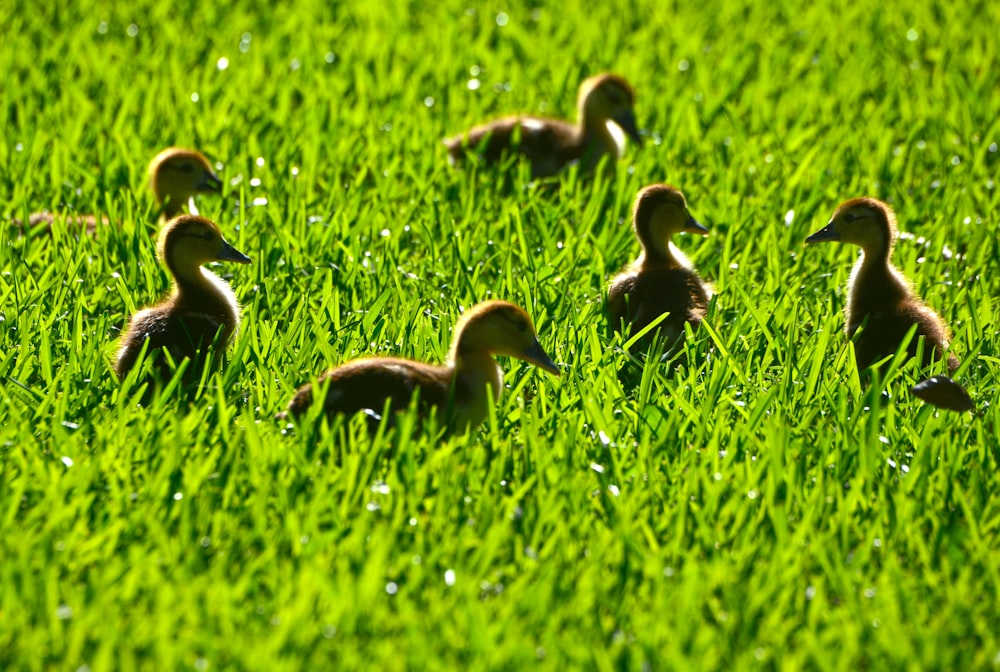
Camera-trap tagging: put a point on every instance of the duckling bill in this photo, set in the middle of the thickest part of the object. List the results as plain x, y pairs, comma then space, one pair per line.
879, 298
662, 280
202, 309
552, 144
457, 389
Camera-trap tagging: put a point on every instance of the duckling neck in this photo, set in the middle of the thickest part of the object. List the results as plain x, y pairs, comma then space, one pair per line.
594, 129
875, 282
661, 255
477, 369
198, 289
170, 208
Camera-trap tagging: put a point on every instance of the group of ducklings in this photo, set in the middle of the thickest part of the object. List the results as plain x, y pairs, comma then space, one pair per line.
202, 315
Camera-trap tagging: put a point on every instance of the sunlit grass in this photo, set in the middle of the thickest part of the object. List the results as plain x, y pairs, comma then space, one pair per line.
755, 508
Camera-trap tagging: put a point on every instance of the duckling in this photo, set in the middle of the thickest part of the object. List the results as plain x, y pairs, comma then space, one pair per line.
201, 306
552, 144
458, 389
175, 176
877, 292
662, 279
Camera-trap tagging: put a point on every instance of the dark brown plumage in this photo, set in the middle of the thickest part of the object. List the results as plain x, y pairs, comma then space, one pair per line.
202, 309
457, 389
943, 392
551, 144
175, 176
661, 280
879, 293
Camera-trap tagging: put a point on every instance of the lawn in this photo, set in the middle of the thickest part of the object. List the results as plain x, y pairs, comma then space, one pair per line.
757, 509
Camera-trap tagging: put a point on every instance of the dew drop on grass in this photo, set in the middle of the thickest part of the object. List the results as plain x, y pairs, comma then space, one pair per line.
912, 35
64, 612
68, 461
789, 217
603, 438
195, 97
391, 588
255, 182
102, 28
613, 489
295, 64
132, 30
810, 592
502, 19
752, 494
683, 65
429, 101
178, 496
201, 664
955, 160
449, 577
596, 467
259, 201
222, 63
330, 57
473, 84
260, 162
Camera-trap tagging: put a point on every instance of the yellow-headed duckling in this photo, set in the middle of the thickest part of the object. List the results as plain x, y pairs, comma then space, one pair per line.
662, 280
457, 389
176, 176
201, 305
878, 296
552, 144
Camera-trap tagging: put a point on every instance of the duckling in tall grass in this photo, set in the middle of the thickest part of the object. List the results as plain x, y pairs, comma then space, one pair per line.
880, 300
176, 176
552, 144
662, 280
202, 309
457, 389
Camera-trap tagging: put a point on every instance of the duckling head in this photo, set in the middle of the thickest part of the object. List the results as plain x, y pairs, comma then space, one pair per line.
660, 211
500, 328
865, 222
188, 241
176, 175
609, 97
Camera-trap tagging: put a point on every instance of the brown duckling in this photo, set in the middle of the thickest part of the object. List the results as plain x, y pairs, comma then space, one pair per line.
879, 293
552, 144
175, 176
662, 279
458, 389
201, 306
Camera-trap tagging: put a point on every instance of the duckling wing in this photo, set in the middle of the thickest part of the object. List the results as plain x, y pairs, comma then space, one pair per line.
547, 143
183, 335
886, 329
650, 293
369, 383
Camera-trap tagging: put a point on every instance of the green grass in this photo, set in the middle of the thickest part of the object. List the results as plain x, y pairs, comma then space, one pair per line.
759, 509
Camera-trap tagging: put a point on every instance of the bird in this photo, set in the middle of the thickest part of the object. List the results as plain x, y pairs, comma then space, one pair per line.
200, 312
662, 280
552, 144
880, 301
459, 390
176, 176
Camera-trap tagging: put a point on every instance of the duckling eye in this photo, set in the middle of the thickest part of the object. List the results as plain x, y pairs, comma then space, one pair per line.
521, 326
186, 167
208, 235
849, 217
